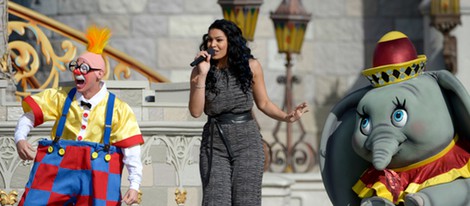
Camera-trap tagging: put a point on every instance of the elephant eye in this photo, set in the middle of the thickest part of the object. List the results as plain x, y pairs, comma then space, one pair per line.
399, 117
365, 126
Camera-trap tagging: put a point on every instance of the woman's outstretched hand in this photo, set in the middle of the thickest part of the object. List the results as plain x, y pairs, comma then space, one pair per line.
297, 112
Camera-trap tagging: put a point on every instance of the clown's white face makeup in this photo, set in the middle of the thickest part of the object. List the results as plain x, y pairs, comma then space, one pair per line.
87, 84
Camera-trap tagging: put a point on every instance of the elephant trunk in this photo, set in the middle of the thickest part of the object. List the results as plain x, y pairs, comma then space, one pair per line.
383, 148
382, 153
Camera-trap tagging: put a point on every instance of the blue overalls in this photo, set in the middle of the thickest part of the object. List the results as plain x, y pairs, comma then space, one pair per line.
67, 172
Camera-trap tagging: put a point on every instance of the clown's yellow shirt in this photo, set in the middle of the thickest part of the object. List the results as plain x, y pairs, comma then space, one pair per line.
47, 106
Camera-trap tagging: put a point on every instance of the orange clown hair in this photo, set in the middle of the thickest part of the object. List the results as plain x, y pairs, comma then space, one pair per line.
97, 39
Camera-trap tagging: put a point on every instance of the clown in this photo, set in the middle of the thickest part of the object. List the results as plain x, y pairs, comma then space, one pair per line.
95, 134
402, 140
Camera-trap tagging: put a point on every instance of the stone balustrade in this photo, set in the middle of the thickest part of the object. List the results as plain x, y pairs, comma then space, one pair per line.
170, 154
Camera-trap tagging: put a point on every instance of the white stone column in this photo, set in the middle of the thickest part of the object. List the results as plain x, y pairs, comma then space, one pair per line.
3, 26
462, 33
433, 42
5, 65
433, 39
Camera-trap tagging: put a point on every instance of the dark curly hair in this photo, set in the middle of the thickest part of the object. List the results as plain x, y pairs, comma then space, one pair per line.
238, 55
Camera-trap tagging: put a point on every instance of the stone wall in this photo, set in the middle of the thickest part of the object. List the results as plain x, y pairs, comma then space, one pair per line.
165, 35
339, 43
170, 153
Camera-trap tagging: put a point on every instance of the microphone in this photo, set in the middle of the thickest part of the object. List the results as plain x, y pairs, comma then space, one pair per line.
202, 58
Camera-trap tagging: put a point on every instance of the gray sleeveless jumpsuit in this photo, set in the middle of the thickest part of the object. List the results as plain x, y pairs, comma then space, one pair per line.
232, 181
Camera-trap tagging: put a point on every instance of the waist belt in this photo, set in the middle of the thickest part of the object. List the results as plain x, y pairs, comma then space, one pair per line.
231, 118
225, 118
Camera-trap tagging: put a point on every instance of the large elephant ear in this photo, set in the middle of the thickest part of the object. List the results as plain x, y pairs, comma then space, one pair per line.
340, 166
458, 101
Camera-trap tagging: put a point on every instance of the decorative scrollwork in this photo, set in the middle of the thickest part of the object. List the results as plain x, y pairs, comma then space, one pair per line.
279, 157
180, 196
179, 151
267, 155
146, 157
292, 155
123, 69
26, 60
179, 155
139, 197
303, 156
9, 162
8, 199
5, 68
296, 157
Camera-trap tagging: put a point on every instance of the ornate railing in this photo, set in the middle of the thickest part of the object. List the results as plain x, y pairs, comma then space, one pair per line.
26, 61
296, 154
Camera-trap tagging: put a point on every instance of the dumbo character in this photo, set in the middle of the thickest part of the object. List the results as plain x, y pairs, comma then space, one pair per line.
404, 140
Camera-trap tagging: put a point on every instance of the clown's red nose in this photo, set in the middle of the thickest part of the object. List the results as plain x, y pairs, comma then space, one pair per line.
76, 71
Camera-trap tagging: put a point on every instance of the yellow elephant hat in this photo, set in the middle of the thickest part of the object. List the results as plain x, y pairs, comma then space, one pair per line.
395, 60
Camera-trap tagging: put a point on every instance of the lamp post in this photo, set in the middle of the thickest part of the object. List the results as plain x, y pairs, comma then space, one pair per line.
244, 13
290, 23
445, 16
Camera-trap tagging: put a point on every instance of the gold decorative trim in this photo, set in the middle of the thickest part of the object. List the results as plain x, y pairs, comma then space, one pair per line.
5, 69
139, 197
26, 60
394, 73
8, 199
180, 196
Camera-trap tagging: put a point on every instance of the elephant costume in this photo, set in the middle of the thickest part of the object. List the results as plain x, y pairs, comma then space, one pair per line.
404, 140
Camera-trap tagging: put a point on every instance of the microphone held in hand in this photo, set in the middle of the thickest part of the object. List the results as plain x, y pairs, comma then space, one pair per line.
202, 58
